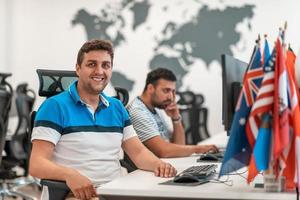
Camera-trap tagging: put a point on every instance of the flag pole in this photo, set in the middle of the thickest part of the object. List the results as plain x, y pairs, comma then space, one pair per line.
257, 44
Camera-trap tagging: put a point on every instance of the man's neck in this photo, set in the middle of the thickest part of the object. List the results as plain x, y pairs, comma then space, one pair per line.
90, 99
147, 101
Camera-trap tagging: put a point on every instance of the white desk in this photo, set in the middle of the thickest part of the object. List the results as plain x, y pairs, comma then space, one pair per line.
144, 185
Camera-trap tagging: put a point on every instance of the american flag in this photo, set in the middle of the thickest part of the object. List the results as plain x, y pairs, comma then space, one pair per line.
265, 96
258, 133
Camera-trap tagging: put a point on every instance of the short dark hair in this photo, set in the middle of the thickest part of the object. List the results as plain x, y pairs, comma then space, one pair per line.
93, 45
159, 73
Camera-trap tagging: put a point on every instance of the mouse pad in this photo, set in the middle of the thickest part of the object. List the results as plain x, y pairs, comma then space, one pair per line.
171, 182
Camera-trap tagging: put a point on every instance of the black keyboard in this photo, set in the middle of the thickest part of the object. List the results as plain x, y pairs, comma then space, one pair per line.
200, 171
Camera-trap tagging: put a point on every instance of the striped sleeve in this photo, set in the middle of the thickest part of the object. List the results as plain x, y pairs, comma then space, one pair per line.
143, 123
48, 123
128, 130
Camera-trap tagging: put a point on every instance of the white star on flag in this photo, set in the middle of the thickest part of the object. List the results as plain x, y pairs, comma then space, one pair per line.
242, 121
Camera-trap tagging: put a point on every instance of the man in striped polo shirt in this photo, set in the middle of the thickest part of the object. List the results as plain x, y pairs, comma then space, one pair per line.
156, 119
78, 134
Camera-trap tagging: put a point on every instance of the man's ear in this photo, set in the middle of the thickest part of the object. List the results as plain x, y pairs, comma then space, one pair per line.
77, 69
150, 87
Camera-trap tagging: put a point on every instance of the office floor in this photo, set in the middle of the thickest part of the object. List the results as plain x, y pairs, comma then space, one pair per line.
31, 190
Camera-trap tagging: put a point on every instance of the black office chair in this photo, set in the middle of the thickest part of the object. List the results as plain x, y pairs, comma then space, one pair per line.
202, 117
6, 94
186, 102
194, 116
19, 145
8, 186
53, 82
5, 103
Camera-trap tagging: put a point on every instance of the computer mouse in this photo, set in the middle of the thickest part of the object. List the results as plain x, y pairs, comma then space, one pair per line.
185, 178
209, 157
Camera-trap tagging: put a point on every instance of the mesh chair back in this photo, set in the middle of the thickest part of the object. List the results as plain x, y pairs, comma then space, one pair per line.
53, 82
186, 101
194, 116
122, 95
20, 142
186, 98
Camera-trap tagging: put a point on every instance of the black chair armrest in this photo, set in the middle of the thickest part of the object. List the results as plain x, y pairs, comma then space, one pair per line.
58, 190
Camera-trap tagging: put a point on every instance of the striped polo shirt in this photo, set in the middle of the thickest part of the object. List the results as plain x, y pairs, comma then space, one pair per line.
85, 140
149, 124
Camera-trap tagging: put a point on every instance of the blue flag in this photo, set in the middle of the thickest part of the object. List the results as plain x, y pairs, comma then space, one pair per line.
262, 149
267, 54
238, 151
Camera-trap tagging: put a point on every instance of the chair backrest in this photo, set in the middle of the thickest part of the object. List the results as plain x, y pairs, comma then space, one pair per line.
20, 141
122, 94
202, 123
186, 102
186, 98
194, 116
52, 82
202, 113
5, 104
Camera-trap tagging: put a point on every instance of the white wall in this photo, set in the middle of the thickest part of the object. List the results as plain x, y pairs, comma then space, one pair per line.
3, 35
38, 34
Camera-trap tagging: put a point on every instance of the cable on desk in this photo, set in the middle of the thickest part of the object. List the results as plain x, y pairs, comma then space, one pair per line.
297, 192
225, 182
237, 173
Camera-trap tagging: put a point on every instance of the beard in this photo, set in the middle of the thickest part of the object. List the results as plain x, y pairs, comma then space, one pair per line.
162, 105
95, 89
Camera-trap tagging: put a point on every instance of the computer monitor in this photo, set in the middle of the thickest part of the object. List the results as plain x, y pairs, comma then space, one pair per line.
232, 79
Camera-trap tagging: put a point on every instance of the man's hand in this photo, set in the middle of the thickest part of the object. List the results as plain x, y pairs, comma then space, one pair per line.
172, 110
165, 170
81, 186
206, 148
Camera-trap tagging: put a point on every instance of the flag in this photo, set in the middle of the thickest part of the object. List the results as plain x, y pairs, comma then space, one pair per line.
266, 53
290, 63
291, 67
256, 132
280, 110
292, 161
264, 98
261, 151
238, 149
297, 69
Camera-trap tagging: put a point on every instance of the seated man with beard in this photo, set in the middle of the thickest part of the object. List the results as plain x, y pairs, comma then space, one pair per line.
156, 119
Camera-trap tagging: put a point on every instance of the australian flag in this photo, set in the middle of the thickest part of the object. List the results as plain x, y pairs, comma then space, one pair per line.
238, 151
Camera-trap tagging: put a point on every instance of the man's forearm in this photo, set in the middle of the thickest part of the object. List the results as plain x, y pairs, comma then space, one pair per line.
146, 160
46, 169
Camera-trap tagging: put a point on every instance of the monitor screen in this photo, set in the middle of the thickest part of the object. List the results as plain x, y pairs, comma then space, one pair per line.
232, 78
